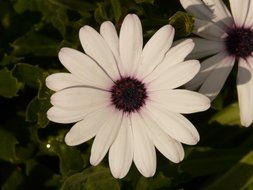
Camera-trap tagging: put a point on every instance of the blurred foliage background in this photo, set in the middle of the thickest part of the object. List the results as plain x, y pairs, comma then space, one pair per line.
33, 155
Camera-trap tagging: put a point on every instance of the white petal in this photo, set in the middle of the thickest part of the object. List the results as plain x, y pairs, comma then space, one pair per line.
197, 8
205, 48
130, 44
84, 68
208, 30
245, 91
174, 76
174, 124
87, 128
224, 18
181, 101
109, 33
155, 50
170, 148
105, 137
121, 151
61, 115
96, 47
175, 55
239, 10
217, 78
59, 81
178, 52
249, 19
207, 67
144, 150
210, 10
80, 97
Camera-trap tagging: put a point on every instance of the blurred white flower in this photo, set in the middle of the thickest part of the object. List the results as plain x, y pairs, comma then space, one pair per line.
122, 94
229, 38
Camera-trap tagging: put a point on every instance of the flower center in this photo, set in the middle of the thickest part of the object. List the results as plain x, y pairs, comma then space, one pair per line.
128, 94
240, 42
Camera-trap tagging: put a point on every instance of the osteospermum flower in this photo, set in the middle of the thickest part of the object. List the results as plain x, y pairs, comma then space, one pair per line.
229, 38
122, 94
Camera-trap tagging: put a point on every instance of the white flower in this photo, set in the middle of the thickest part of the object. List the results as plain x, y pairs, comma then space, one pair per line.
229, 38
122, 94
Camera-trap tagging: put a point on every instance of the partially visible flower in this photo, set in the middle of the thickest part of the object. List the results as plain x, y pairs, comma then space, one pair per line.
122, 94
229, 38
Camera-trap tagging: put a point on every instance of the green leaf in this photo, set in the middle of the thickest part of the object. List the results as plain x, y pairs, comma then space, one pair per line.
77, 5
145, 1
37, 173
227, 116
32, 110
28, 74
116, 8
54, 14
44, 93
183, 23
14, 180
207, 161
36, 112
9, 59
158, 182
70, 158
59, 20
92, 178
7, 146
9, 85
23, 5
237, 178
35, 43
100, 13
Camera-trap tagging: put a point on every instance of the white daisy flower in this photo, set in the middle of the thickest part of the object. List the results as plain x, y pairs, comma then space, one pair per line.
228, 38
122, 94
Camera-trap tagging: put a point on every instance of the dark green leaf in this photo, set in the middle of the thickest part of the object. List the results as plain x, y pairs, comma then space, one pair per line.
14, 180
7, 146
116, 7
92, 178
9, 59
28, 74
36, 112
24, 5
145, 1
70, 158
100, 13
52, 13
76, 5
206, 161
9, 85
237, 178
158, 182
35, 43
228, 116
183, 23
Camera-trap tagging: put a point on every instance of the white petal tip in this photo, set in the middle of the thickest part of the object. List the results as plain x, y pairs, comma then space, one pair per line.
246, 123
63, 51
84, 29
69, 140
206, 104
148, 174
118, 175
93, 162
48, 83
176, 161
194, 141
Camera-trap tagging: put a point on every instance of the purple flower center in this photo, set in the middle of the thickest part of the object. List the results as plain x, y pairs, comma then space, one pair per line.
239, 42
128, 94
